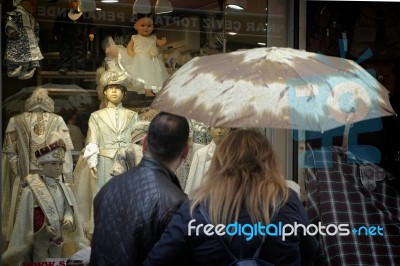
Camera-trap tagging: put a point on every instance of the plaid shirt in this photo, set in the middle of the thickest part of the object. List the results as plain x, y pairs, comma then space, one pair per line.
350, 191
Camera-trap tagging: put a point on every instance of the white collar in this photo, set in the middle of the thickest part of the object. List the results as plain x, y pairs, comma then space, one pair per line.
74, 16
52, 182
111, 105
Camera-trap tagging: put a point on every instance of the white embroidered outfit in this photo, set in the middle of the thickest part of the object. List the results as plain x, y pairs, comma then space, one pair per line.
44, 202
146, 68
25, 133
199, 167
109, 129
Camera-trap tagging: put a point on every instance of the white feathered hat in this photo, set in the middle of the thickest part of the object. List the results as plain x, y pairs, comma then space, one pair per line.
39, 100
113, 78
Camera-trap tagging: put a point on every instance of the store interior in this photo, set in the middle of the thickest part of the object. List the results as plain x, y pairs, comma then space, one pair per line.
208, 27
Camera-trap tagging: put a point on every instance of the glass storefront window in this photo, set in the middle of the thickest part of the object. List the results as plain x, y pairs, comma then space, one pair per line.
206, 27
192, 29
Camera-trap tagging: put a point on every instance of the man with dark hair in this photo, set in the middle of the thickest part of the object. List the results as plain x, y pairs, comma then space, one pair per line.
133, 209
167, 136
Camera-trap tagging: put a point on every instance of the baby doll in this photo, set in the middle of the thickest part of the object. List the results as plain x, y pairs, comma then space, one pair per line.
22, 53
144, 64
47, 217
72, 29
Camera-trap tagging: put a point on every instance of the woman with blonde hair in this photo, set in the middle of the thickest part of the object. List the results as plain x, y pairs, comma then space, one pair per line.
247, 201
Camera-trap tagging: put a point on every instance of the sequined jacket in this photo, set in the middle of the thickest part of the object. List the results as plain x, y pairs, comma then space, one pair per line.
25, 48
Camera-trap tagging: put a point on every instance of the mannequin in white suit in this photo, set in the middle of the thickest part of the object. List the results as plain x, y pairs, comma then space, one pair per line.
110, 129
202, 158
47, 220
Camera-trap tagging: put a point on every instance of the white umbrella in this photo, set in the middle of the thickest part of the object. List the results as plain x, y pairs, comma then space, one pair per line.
276, 88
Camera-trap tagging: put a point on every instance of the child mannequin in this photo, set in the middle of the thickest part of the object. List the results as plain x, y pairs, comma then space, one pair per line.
25, 133
202, 158
109, 129
144, 64
22, 50
47, 216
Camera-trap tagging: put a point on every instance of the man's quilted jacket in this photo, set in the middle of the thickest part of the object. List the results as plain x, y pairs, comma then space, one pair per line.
131, 211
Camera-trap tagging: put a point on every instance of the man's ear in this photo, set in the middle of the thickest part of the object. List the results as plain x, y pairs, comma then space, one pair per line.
145, 143
135, 26
185, 151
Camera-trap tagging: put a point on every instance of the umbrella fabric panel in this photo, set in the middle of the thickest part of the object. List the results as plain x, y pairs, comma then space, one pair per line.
274, 87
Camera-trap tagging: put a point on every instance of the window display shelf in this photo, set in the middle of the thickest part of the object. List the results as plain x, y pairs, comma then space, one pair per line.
86, 76
48, 73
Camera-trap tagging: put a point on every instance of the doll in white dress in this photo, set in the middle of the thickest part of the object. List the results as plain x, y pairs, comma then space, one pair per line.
143, 63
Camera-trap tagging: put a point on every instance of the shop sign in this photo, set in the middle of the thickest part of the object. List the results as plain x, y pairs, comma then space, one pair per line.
241, 26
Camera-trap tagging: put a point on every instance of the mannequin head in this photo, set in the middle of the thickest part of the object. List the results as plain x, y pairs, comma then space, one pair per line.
218, 133
52, 169
114, 84
29, 5
114, 93
144, 26
73, 4
51, 158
